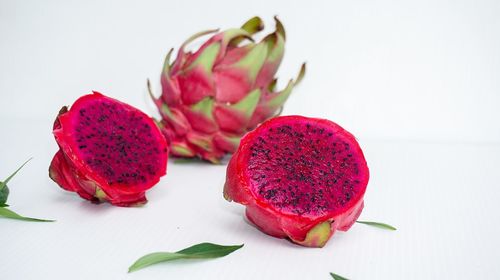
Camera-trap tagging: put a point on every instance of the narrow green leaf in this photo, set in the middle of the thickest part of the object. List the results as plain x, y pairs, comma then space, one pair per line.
337, 277
199, 251
4, 194
4, 205
376, 224
4, 183
4, 212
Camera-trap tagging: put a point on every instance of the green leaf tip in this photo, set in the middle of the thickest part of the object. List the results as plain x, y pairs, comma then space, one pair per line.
4, 194
337, 277
377, 224
4, 183
198, 251
4, 212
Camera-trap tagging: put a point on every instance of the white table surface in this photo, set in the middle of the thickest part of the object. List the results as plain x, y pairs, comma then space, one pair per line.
417, 83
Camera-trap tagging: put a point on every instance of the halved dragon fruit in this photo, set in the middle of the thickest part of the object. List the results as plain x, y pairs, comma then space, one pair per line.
299, 178
109, 151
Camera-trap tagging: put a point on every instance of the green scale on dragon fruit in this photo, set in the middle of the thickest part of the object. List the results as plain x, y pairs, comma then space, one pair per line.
212, 97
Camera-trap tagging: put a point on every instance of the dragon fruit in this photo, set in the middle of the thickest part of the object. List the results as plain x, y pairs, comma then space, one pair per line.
109, 151
299, 178
211, 97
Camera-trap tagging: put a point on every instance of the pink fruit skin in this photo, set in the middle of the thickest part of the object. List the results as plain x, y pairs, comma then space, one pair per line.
269, 219
222, 78
71, 173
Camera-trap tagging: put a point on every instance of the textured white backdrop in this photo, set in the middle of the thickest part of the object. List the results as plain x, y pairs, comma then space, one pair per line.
416, 81
385, 69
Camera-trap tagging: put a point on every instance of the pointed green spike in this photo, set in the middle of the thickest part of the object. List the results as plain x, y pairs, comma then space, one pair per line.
280, 28
205, 107
317, 236
150, 91
100, 194
301, 75
166, 64
234, 140
254, 60
253, 25
248, 104
281, 96
280, 110
276, 46
213, 159
166, 111
4, 183
233, 34
196, 36
201, 142
207, 58
181, 150
272, 85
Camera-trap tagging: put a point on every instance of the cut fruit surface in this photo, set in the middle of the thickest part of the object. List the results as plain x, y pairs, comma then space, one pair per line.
109, 151
294, 173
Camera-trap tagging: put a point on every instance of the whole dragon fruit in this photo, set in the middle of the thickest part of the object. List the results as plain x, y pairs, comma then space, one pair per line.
211, 97
108, 151
299, 178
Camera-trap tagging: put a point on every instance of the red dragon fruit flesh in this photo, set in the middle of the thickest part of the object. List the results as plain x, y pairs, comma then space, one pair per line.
109, 151
300, 178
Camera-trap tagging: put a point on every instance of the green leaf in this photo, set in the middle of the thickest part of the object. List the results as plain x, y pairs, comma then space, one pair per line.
337, 277
13, 215
199, 251
4, 190
4, 194
376, 224
4, 183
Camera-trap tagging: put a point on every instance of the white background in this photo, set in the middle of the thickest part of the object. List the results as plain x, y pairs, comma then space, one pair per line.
417, 82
